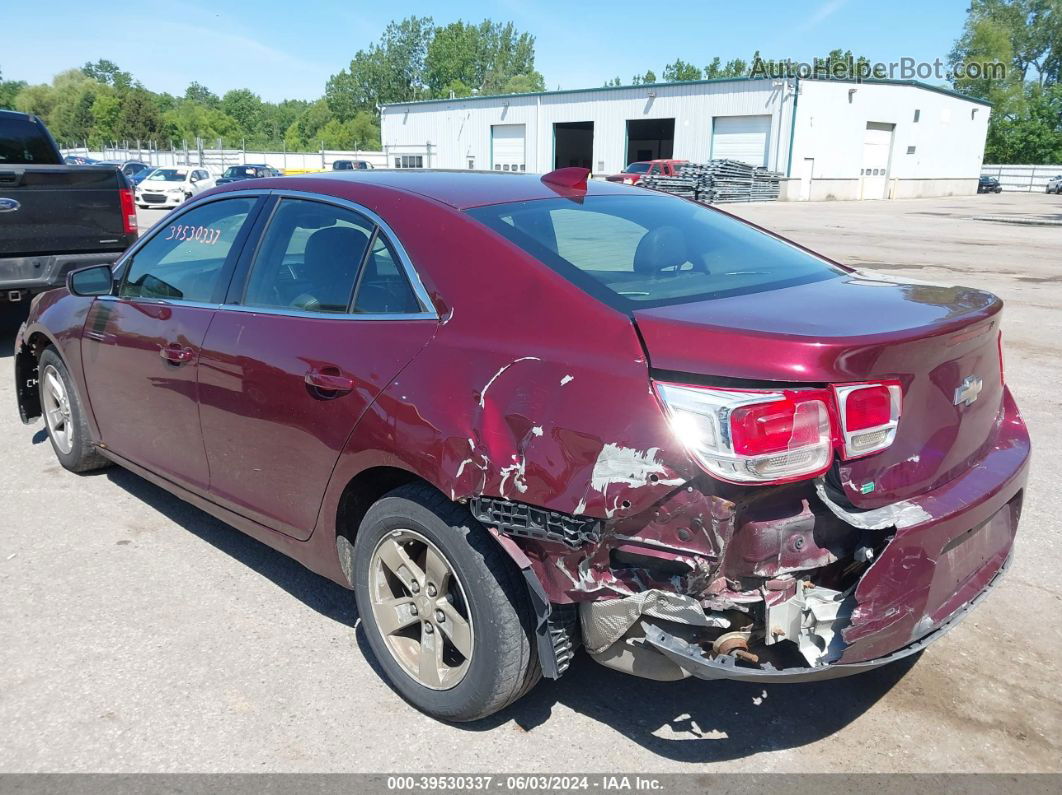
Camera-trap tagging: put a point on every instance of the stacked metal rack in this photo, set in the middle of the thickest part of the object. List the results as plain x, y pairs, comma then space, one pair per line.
718, 181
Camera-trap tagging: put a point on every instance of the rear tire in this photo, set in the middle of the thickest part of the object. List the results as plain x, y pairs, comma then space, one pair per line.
483, 665
64, 415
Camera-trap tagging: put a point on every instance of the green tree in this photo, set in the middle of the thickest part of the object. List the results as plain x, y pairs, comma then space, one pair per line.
9, 90
245, 108
1025, 36
106, 118
200, 94
304, 132
108, 73
735, 67
140, 119
680, 71
649, 76
191, 120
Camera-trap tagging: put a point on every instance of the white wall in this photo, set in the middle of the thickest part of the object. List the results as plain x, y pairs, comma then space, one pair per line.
1027, 178
459, 129
218, 159
949, 138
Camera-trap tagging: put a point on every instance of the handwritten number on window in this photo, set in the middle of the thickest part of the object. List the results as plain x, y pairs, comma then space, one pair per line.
200, 234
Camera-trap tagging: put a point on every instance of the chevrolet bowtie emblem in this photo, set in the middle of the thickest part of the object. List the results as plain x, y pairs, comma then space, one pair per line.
968, 391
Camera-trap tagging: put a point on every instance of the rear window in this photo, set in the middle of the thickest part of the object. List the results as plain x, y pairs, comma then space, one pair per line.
23, 142
637, 251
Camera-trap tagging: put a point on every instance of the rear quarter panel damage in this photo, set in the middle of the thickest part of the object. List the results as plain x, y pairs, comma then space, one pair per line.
530, 390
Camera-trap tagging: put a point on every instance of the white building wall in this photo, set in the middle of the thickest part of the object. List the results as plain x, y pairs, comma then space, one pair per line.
830, 125
949, 138
459, 129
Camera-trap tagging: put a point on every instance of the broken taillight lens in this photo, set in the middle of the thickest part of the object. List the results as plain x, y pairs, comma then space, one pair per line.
752, 436
869, 416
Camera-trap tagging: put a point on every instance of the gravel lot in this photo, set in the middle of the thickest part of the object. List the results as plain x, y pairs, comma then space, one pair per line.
139, 634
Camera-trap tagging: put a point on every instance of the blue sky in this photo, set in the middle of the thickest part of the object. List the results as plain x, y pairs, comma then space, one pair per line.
281, 48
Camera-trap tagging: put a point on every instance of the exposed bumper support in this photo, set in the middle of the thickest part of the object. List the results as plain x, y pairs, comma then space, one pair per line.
690, 658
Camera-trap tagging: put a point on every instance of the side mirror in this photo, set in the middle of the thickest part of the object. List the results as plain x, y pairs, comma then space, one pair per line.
90, 281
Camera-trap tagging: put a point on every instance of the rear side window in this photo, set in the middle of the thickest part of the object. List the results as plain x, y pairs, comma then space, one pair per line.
383, 288
645, 250
186, 259
309, 258
23, 142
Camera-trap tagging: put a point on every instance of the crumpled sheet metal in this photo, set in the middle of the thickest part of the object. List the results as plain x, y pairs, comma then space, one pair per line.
605, 622
899, 515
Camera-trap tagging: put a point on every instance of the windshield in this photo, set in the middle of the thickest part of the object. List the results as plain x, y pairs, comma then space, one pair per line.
640, 250
636, 168
240, 171
168, 175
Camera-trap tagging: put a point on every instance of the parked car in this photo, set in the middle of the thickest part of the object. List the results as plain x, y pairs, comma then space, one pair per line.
168, 187
54, 217
351, 165
633, 173
249, 171
79, 160
129, 167
1054, 185
701, 451
989, 185
141, 175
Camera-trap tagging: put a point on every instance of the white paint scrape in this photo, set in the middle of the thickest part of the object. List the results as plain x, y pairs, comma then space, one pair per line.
625, 465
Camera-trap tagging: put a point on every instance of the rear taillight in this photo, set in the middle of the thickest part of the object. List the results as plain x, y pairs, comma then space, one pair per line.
752, 436
125, 196
869, 414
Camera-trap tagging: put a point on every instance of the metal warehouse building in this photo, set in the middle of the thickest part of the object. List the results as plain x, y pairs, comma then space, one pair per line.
833, 139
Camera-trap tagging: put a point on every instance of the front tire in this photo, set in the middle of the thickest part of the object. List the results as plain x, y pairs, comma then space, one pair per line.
445, 610
64, 416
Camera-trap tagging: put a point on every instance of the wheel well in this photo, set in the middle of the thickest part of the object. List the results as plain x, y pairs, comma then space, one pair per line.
358, 496
26, 376
364, 489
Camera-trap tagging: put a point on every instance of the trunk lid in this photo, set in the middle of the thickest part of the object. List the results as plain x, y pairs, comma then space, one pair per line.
937, 341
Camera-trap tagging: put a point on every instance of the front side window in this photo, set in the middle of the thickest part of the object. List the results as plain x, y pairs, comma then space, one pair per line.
633, 251
309, 258
186, 259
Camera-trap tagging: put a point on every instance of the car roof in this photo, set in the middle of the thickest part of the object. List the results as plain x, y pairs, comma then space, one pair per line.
464, 189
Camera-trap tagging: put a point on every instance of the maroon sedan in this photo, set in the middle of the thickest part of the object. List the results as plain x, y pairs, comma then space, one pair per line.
519, 415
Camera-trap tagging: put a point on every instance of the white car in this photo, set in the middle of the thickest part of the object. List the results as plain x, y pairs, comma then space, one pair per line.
1054, 185
168, 187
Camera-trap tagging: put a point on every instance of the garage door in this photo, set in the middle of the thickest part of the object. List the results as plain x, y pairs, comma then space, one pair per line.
877, 145
507, 147
743, 138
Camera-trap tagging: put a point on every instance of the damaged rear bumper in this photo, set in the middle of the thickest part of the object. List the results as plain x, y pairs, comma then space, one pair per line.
690, 658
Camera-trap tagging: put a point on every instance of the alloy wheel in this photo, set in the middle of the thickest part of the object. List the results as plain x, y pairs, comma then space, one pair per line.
420, 608
57, 410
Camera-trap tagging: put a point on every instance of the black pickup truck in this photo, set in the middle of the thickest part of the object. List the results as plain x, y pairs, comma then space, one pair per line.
53, 217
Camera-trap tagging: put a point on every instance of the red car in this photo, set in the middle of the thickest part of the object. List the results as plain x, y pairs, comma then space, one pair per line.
634, 172
515, 415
